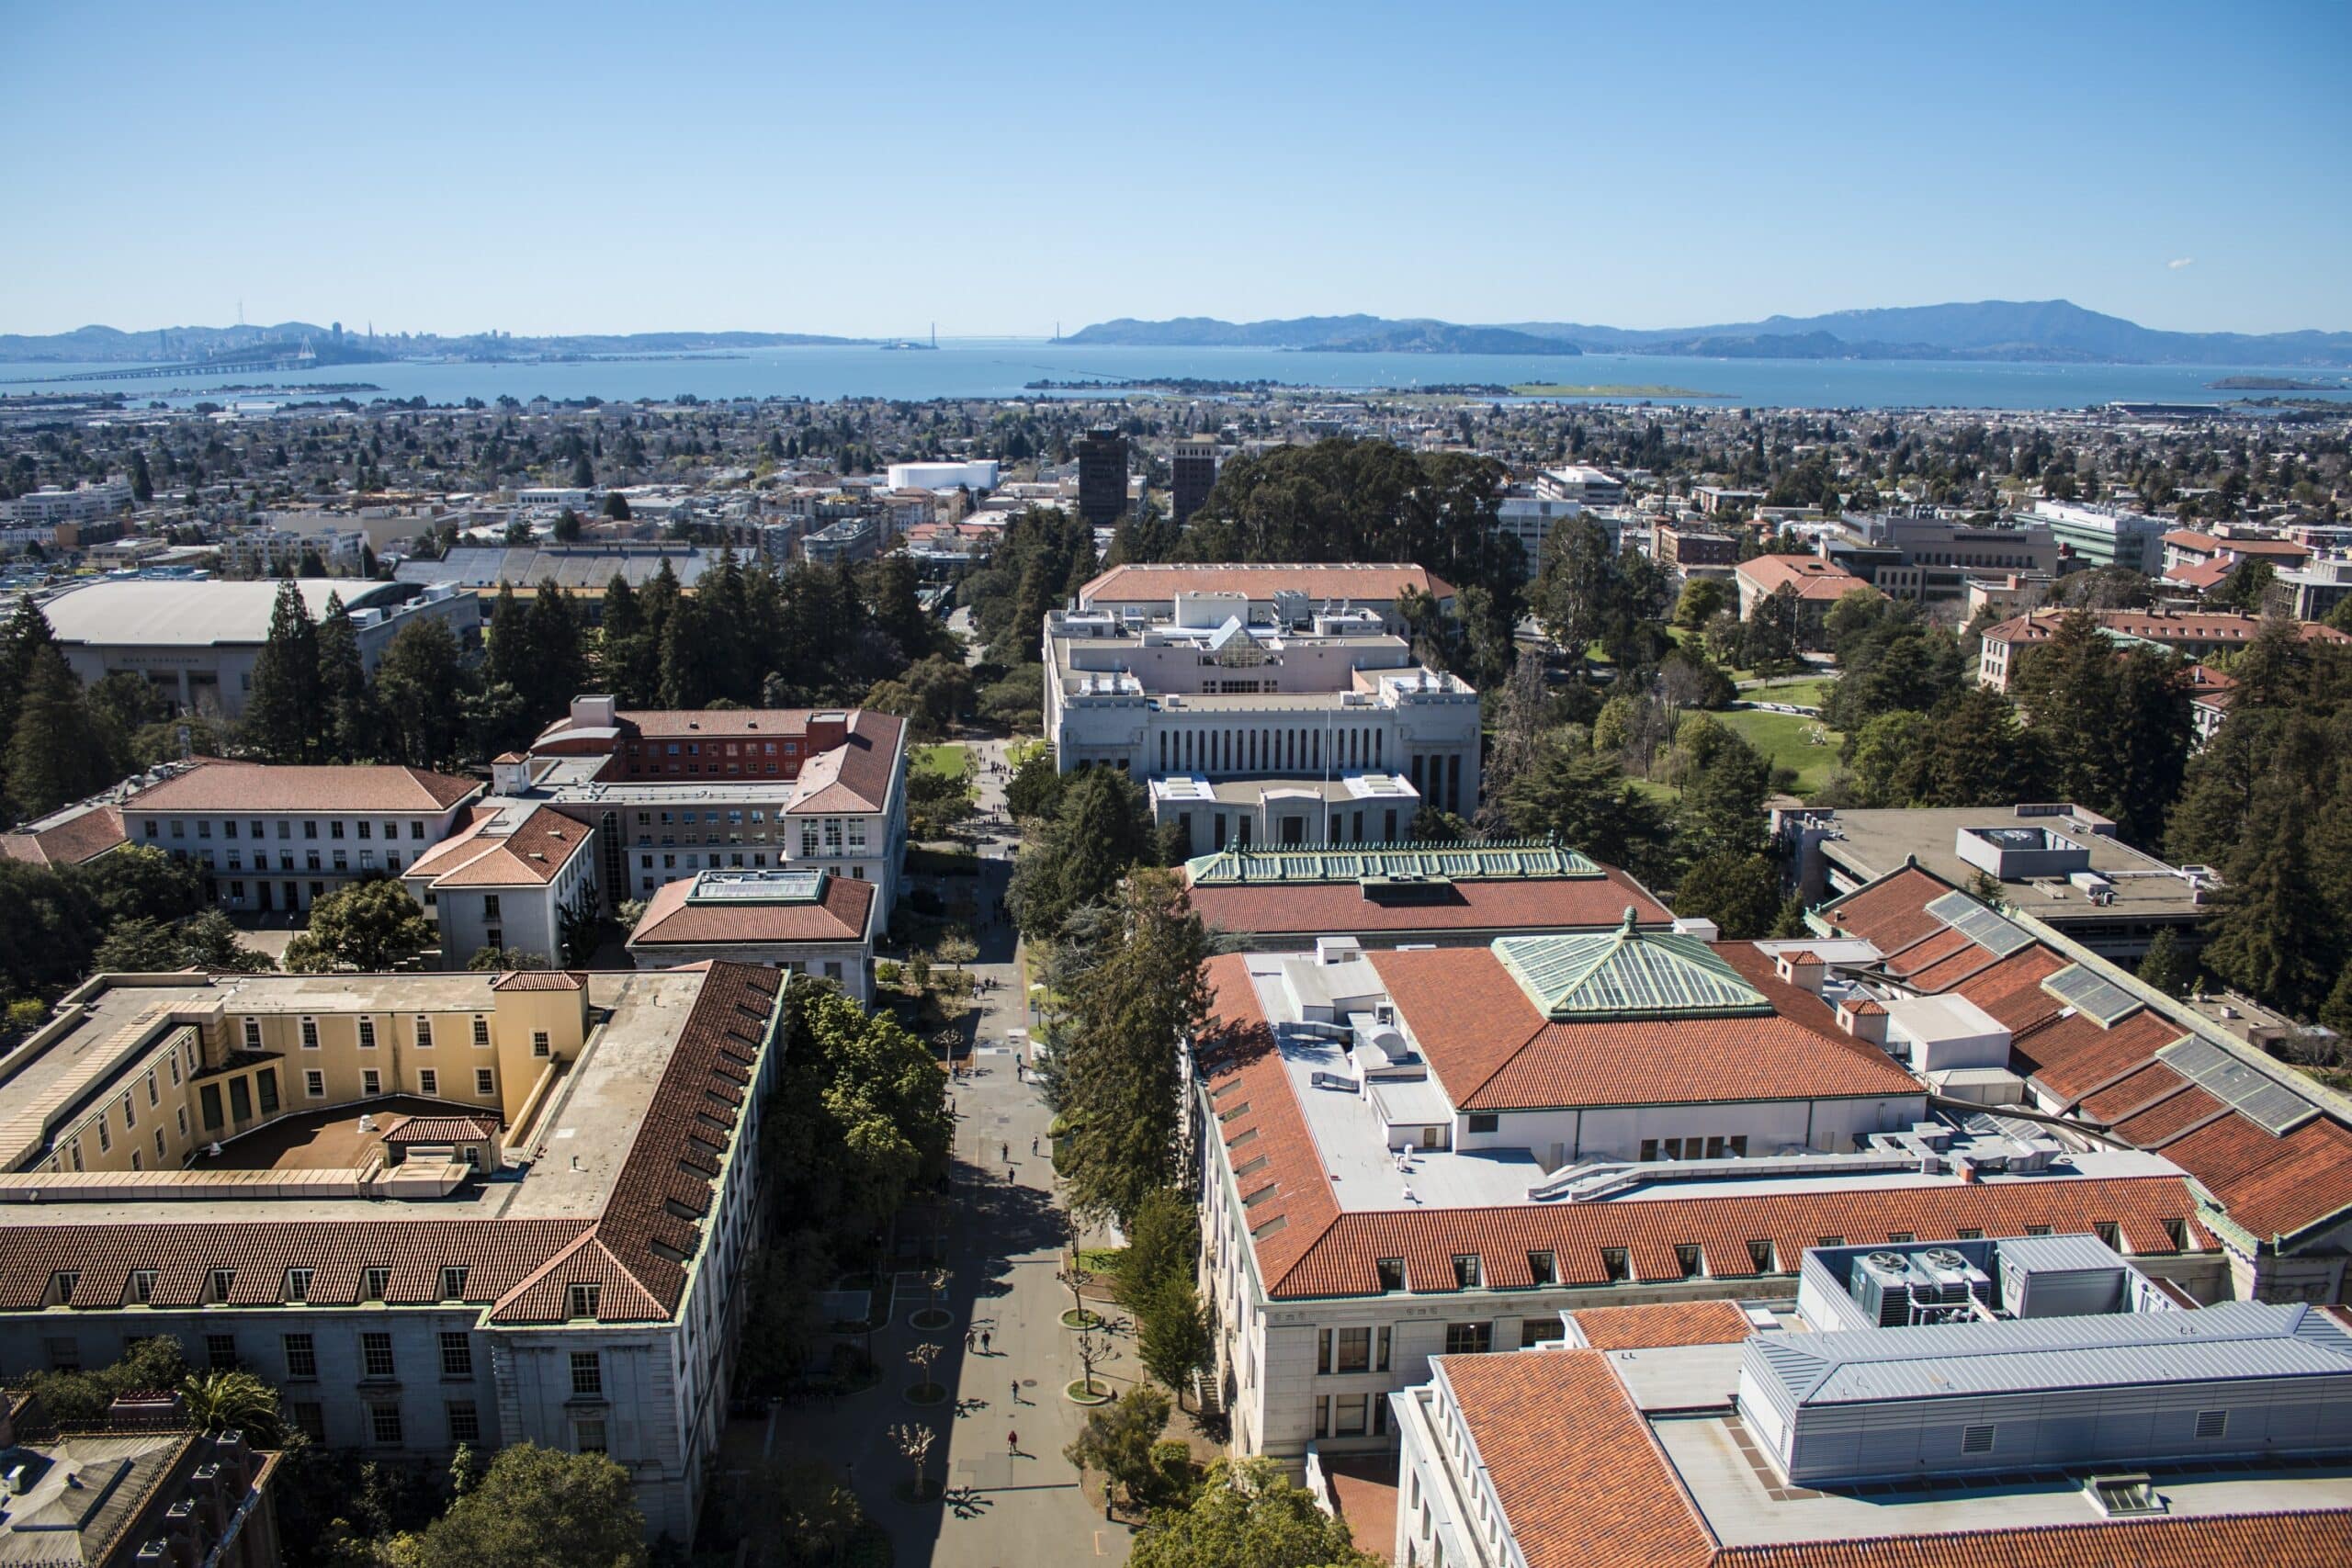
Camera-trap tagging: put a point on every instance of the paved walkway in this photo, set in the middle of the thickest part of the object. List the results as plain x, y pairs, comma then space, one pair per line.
1003, 1508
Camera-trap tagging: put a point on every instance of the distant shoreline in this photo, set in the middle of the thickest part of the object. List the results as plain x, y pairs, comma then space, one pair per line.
2275, 384
1566, 390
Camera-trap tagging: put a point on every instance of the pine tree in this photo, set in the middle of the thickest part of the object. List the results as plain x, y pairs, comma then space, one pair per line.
2166, 965
2271, 934
558, 656
284, 715
57, 752
509, 659
346, 701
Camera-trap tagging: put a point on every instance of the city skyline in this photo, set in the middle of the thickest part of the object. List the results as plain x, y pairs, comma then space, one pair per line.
547, 172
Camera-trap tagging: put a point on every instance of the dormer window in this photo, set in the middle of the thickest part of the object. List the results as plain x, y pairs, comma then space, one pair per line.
297, 1284
1390, 1272
374, 1283
1688, 1259
142, 1286
586, 1300
1759, 1257
453, 1283
1544, 1268
1469, 1273
61, 1288
1616, 1264
224, 1280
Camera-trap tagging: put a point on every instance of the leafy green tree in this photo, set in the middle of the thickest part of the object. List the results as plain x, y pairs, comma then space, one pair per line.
1117, 1441
1701, 599
81, 1399
285, 712
1584, 800
1724, 782
2115, 722
1247, 1515
1116, 1079
1035, 789
208, 941
1102, 829
1740, 893
539, 1508
1590, 595
366, 926
1163, 1242
1172, 1333
1769, 644
136, 882
2166, 965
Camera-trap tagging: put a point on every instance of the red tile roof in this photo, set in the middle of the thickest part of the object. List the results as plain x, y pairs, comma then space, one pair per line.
1308, 1246
1317, 908
2270, 1186
1711, 1322
2199, 542
1578, 1475
2200, 628
534, 854
1583, 1483
1159, 582
75, 842
1812, 577
842, 915
442, 1130
216, 786
1492, 1050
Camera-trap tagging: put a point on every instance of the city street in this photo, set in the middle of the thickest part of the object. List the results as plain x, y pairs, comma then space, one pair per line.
1006, 1230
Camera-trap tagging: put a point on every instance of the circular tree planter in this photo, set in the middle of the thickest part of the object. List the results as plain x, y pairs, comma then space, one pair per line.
1078, 1318
927, 1393
931, 1319
1077, 1393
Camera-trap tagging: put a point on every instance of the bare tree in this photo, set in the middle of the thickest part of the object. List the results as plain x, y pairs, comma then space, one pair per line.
915, 1443
1091, 1351
921, 1357
1077, 1279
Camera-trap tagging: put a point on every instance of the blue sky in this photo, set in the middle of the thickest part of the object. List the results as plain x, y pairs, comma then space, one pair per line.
869, 168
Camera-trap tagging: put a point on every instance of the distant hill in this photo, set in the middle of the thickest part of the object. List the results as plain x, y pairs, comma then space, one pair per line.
2045, 330
1442, 337
103, 345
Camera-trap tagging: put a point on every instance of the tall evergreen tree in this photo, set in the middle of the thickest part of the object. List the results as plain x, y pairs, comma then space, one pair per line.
2271, 933
508, 659
558, 654
421, 685
57, 752
346, 700
284, 714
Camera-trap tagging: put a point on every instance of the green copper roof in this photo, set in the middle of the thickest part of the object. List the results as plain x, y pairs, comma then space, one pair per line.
1471, 862
1627, 972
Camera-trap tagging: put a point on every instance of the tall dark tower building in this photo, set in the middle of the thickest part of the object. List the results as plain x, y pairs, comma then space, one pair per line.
1193, 475
1102, 477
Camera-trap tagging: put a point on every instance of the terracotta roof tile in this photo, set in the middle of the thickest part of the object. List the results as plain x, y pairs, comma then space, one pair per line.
1569, 903
75, 842
1712, 1321
670, 920
2271, 1186
216, 786
534, 854
1364, 582
1811, 576
2309, 1538
1891, 912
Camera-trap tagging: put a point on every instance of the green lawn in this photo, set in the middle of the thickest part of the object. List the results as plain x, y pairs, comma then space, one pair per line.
1801, 693
1780, 737
947, 761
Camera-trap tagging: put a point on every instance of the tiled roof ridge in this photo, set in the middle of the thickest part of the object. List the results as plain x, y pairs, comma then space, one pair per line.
2019, 1546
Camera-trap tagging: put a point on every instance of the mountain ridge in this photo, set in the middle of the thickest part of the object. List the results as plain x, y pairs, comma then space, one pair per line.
103, 345
2055, 331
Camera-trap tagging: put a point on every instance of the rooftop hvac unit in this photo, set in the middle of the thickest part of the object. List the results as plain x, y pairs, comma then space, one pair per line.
1957, 1282
1881, 1286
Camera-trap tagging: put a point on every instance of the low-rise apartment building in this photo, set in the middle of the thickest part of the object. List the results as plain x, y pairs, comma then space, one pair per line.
432, 1210
1816, 583
1297, 726
272, 838
1410, 1153
1687, 550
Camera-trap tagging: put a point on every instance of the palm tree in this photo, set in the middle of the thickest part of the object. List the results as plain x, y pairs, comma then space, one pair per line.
218, 1401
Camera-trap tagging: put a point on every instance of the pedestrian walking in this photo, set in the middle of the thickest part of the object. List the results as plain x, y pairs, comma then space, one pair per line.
984, 1341
1012, 1444
1033, 1146
1016, 1391
1008, 1154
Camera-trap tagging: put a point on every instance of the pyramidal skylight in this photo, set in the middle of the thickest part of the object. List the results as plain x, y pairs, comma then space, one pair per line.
1627, 972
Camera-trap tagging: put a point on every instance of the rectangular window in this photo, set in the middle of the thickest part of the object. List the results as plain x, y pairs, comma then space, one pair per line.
220, 1352
482, 1081
457, 1356
586, 1300
1541, 1331
374, 1283
428, 1082
453, 1283
1352, 1414
384, 1425
106, 1137
366, 1035
314, 1083
1469, 1273
376, 1355
482, 1030
371, 1081
224, 1282
240, 1100
1354, 1351
589, 1437
539, 1046
265, 1089
465, 1422
309, 1034
301, 1358
208, 1099
1485, 1121
587, 1375
1380, 1357
1469, 1339
142, 1286
423, 1033
1544, 1268
1322, 1351
297, 1284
